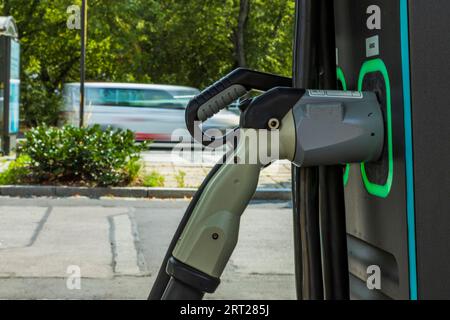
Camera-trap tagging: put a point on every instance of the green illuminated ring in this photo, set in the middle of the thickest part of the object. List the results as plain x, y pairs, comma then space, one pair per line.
381, 191
341, 78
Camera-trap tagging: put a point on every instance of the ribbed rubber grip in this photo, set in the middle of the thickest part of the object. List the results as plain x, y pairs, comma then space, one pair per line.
223, 92
220, 101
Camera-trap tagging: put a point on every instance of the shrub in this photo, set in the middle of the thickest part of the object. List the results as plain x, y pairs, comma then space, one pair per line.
153, 180
89, 156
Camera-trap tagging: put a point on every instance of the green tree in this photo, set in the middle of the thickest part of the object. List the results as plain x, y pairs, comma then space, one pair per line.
184, 42
49, 54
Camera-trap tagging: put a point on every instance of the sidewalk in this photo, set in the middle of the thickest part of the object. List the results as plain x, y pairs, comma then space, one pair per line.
277, 176
196, 168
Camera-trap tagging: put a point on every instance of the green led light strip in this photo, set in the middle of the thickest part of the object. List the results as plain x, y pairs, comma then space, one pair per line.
341, 78
381, 191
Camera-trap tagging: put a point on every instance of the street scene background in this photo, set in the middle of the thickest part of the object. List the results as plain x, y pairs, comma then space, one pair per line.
82, 247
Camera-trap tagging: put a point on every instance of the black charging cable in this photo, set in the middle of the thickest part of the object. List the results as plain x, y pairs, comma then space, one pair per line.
305, 182
332, 202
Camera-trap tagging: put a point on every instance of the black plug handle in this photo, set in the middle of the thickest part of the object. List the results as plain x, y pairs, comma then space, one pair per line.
222, 93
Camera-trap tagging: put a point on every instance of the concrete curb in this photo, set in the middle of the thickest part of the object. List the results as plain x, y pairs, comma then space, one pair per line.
158, 193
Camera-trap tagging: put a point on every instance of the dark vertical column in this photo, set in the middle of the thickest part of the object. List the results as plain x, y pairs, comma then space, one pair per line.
305, 184
6, 139
83, 60
2, 87
332, 204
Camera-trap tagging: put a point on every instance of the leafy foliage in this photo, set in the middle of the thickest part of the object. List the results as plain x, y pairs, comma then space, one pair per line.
89, 156
182, 42
154, 180
17, 172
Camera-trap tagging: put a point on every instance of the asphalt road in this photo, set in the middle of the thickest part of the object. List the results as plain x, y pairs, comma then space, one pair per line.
118, 246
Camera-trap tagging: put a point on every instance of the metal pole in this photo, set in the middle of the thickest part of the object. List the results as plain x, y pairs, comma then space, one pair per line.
83, 59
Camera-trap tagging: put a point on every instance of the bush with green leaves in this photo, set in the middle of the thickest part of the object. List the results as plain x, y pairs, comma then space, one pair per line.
83, 156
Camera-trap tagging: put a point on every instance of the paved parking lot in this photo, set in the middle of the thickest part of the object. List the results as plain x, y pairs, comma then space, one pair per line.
117, 246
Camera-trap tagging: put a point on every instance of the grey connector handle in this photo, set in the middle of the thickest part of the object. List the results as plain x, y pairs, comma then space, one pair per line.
211, 234
319, 128
222, 93
338, 127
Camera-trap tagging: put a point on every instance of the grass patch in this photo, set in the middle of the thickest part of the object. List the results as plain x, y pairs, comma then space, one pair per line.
180, 178
18, 172
154, 180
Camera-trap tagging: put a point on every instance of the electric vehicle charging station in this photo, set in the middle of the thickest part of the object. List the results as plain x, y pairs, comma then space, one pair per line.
9, 83
388, 212
397, 208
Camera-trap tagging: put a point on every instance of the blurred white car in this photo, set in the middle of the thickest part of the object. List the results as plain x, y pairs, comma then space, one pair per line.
152, 112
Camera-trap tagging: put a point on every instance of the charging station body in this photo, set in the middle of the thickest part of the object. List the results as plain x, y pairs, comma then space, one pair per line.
397, 208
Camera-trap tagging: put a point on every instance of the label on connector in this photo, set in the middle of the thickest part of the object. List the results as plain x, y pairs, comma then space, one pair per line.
336, 94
